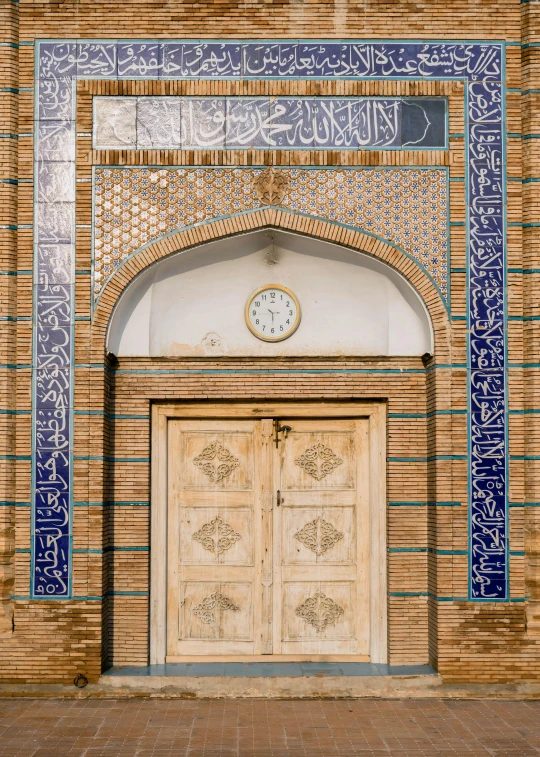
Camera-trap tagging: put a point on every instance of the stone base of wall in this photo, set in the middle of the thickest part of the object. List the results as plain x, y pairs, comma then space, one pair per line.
385, 687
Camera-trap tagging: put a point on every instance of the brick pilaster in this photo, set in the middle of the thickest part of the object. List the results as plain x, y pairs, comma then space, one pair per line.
9, 57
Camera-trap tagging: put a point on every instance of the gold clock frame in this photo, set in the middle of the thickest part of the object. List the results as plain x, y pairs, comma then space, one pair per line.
294, 326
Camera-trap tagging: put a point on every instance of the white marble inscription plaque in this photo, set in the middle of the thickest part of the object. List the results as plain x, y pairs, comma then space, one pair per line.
298, 123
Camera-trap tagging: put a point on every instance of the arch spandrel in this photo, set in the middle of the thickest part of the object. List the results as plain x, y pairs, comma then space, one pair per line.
406, 206
279, 219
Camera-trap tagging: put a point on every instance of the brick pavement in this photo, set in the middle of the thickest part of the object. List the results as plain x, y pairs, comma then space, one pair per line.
254, 728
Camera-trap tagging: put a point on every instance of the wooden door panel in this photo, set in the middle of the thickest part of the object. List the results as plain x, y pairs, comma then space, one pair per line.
319, 616
268, 548
214, 460
308, 572
220, 498
318, 535
319, 497
217, 611
216, 536
319, 461
321, 572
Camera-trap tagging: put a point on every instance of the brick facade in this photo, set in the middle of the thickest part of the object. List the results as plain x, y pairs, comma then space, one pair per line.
430, 618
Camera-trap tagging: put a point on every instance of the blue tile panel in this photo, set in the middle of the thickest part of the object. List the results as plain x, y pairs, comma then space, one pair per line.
150, 59
59, 63
54, 255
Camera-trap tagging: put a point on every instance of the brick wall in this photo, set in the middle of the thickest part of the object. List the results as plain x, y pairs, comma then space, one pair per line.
52, 641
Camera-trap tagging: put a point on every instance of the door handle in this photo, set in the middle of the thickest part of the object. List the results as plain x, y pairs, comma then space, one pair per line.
279, 498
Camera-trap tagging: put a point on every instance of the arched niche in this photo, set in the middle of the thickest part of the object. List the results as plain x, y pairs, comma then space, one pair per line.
191, 304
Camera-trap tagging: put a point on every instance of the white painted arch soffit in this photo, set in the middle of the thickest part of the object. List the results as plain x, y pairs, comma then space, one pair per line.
191, 304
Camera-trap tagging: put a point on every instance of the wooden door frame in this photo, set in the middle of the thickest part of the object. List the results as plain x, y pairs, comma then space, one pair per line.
375, 412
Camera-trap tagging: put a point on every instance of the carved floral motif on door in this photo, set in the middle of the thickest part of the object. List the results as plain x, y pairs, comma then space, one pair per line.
318, 535
318, 461
319, 611
207, 609
216, 536
226, 462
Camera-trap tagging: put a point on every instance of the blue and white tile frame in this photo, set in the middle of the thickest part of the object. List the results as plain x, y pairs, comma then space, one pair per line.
60, 63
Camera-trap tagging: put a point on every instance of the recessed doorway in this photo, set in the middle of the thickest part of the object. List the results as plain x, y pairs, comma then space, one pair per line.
268, 532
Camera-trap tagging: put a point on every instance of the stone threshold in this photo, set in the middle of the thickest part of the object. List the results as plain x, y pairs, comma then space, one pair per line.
267, 670
272, 680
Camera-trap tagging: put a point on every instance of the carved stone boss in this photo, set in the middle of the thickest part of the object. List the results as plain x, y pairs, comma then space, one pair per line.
59, 64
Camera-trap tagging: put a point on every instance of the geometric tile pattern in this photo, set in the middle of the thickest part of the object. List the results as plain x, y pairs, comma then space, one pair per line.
133, 206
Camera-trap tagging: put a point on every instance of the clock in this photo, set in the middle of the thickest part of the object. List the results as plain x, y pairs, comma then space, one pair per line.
272, 313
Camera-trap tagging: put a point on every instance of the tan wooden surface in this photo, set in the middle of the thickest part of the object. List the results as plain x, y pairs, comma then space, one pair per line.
267, 548
321, 546
214, 537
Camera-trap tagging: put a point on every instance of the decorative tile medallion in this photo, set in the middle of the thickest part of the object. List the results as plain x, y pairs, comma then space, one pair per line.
208, 608
319, 611
318, 461
319, 536
271, 186
60, 63
133, 206
225, 463
216, 536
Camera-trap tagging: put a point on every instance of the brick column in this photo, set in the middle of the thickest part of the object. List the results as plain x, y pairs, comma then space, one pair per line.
530, 114
9, 62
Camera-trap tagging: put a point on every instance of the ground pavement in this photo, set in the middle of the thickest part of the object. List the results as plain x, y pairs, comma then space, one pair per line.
255, 728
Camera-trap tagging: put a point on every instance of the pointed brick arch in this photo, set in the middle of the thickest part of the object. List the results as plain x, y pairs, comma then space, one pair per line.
279, 218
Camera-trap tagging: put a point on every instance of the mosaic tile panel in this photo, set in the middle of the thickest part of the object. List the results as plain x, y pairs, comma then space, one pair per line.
133, 206
480, 65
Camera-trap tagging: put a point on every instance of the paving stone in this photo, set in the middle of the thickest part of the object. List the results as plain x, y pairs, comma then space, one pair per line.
255, 728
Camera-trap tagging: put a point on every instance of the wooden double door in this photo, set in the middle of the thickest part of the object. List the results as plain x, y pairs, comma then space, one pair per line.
268, 538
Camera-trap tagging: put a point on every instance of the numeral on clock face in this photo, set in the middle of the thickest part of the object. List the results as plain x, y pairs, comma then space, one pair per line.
272, 313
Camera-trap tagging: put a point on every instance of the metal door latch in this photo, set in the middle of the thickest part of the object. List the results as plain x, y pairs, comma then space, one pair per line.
279, 429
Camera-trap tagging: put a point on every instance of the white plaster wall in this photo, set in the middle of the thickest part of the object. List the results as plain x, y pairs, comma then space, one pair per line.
192, 303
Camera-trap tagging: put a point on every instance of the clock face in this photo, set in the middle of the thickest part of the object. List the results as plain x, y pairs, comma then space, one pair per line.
272, 313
